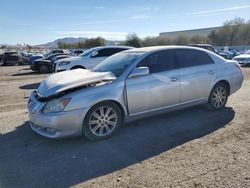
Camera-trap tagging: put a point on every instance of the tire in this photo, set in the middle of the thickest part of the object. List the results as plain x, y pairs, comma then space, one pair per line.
43, 69
99, 125
218, 97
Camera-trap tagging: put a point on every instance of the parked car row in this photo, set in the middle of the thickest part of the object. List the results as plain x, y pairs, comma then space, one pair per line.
46, 64
77, 58
56, 61
89, 58
128, 85
227, 54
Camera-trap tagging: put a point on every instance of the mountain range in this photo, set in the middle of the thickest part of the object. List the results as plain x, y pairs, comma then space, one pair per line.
54, 44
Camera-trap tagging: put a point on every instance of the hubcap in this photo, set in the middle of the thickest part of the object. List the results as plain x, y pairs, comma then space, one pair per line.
102, 121
219, 97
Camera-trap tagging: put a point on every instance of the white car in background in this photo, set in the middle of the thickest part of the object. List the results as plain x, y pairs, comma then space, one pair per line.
243, 59
89, 58
57, 51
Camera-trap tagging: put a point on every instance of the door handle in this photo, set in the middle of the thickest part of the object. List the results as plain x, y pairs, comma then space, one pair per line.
211, 72
172, 79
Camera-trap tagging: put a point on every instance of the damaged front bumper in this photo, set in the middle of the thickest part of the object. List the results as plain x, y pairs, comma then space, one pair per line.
55, 125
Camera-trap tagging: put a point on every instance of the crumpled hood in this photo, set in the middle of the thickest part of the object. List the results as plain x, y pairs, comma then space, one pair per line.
66, 80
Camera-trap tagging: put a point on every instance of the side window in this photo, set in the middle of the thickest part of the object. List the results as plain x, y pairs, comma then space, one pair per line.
117, 50
102, 53
108, 52
189, 58
159, 62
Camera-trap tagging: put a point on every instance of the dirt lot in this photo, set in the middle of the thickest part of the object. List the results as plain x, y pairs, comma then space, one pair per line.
189, 148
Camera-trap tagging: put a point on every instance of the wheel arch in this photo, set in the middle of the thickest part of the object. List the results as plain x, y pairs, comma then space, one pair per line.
77, 66
114, 101
226, 83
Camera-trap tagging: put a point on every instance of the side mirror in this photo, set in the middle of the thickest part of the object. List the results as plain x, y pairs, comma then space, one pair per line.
140, 71
94, 54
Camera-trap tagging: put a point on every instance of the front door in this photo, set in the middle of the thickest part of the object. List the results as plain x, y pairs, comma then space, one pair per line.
159, 89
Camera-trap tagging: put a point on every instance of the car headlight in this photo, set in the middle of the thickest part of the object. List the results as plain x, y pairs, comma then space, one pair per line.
63, 63
56, 105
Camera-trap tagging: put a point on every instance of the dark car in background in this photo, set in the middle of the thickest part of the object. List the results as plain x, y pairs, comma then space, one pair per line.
212, 49
57, 51
204, 46
11, 58
45, 65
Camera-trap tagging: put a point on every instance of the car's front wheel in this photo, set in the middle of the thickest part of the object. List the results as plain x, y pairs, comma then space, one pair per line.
218, 97
102, 121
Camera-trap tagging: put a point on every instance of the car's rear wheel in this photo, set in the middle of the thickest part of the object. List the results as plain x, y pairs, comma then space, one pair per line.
43, 69
218, 97
102, 121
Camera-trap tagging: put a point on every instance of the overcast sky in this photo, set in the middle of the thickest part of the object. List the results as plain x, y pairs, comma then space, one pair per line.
37, 22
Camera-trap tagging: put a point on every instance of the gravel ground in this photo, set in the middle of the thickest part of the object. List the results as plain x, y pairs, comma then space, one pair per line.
188, 148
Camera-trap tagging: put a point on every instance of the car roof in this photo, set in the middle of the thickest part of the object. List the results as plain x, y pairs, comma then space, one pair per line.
158, 48
104, 47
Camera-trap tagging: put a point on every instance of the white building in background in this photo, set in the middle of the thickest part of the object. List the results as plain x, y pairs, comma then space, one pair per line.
190, 33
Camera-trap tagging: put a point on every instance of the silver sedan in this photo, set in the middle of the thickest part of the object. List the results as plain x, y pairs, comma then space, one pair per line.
129, 85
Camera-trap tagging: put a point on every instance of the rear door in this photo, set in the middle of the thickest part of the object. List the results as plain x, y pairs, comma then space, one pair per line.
159, 89
198, 72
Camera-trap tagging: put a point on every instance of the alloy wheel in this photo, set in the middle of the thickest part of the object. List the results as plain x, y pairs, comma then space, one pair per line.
103, 121
219, 97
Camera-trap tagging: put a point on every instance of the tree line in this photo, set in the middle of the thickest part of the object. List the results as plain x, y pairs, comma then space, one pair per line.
88, 43
233, 32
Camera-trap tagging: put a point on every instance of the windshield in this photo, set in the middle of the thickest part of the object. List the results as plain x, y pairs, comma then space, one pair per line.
117, 63
87, 52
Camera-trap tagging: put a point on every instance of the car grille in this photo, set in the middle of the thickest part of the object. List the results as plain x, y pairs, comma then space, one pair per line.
32, 106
